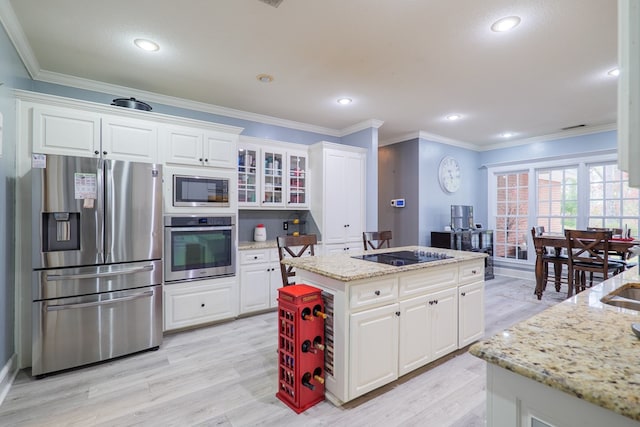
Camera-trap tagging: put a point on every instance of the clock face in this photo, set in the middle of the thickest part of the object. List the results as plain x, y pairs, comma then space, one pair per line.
449, 174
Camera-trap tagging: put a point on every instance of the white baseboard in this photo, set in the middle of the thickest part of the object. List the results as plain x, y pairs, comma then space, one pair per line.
516, 273
7, 375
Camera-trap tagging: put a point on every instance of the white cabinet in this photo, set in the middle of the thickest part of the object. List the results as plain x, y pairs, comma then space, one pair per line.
129, 139
260, 279
272, 176
471, 313
338, 199
199, 147
374, 356
342, 248
65, 131
203, 301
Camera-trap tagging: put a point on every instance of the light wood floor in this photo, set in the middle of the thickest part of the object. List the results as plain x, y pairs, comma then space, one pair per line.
225, 375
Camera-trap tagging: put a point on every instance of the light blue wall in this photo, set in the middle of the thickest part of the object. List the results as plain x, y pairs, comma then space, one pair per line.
12, 75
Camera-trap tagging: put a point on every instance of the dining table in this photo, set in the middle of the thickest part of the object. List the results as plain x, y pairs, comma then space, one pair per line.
621, 246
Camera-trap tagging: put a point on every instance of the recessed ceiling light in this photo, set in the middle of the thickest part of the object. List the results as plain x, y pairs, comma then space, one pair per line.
506, 134
264, 78
345, 101
505, 24
147, 45
615, 72
454, 117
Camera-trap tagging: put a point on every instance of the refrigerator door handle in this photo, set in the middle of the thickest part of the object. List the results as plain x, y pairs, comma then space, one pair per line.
56, 277
97, 303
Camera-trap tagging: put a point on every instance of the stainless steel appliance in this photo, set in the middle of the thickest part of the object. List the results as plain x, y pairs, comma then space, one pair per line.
401, 258
97, 249
199, 247
191, 191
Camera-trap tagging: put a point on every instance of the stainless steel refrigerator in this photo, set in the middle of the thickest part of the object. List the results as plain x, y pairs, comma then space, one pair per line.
97, 260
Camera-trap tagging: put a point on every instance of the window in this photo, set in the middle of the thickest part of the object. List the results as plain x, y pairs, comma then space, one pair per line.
512, 215
557, 199
612, 204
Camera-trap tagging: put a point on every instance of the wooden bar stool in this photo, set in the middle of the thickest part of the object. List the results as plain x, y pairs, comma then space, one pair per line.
376, 239
294, 246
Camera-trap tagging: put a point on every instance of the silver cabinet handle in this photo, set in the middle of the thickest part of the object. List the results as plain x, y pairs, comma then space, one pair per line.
97, 303
56, 277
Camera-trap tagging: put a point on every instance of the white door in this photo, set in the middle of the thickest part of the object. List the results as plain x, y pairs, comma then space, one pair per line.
471, 303
414, 348
255, 290
444, 322
273, 184
297, 181
334, 196
184, 146
129, 139
220, 150
373, 349
65, 131
354, 197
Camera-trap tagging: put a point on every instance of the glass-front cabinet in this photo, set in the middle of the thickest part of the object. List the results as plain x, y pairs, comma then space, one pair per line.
297, 185
272, 177
248, 176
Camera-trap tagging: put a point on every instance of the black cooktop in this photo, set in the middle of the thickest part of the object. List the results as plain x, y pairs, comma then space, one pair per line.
401, 258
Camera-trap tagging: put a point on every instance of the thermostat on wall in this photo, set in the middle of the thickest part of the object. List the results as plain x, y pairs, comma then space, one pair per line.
397, 203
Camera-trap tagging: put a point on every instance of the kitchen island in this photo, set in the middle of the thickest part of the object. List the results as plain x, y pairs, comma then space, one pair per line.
575, 364
385, 321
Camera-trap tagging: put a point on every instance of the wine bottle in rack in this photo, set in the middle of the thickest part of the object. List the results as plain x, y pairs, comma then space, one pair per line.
317, 311
306, 346
317, 343
306, 314
317, 375
306, 378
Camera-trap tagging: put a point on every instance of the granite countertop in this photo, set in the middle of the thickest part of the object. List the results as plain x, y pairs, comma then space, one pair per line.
269, 244
345, 268
580, 346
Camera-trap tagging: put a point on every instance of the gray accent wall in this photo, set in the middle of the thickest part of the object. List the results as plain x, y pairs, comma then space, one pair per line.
12, 75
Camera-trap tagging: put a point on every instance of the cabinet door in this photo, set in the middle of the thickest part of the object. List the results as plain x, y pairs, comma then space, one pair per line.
415, 347
373, 349
273, 185
248, 173
66, 131
336, 218
184, 146
444, 324
189, 304
129, 139
297, 182
220, 150
275, 282
255, 288
471, 312
353, 187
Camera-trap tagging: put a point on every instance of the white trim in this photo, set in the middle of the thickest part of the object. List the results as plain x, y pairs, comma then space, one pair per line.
565, 159
367, 124
14, 30
429, 137
7, 375
271, 143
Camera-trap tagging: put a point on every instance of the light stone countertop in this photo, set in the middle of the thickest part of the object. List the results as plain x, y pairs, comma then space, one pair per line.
345, 268
580, 346
269, 244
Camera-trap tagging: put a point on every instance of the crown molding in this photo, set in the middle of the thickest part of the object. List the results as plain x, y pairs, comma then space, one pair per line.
587, 130
17, 36
367, 124
431, 137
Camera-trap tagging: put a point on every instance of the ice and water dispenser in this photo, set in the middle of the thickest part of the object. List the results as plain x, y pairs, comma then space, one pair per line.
60, 231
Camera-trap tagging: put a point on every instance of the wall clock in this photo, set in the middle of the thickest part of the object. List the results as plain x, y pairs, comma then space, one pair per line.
449, 174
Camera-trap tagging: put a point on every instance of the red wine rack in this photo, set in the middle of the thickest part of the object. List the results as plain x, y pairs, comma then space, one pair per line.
300, 347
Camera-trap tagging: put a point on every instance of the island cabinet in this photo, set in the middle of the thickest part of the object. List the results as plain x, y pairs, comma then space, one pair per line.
381, 328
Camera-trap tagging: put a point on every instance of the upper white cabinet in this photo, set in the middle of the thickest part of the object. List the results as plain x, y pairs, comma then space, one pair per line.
272, 174
56, 125
338, 200
199, 147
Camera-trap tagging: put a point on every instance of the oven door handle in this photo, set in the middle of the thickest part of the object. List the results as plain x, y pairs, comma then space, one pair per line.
97, 303
207, 228
56, 277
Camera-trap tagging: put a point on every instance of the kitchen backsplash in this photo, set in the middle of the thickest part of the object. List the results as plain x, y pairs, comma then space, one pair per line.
272, 220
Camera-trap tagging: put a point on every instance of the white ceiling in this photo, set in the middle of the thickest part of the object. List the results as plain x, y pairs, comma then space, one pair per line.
408, 63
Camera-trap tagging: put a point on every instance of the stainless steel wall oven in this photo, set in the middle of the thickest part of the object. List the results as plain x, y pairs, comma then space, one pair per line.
199, 247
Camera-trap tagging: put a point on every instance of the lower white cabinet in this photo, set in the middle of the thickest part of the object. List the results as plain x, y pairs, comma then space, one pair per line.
374, 361
471, 313
199, 302
260, 279
341, 248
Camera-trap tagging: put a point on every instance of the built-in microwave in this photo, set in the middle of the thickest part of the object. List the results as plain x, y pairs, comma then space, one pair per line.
191, 190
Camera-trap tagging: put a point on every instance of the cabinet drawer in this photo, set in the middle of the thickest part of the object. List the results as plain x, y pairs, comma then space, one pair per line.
373, 293
295, 250
472, 271
427, 280
255, 256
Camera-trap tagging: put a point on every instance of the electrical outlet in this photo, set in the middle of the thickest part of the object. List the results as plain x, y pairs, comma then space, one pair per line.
285, 225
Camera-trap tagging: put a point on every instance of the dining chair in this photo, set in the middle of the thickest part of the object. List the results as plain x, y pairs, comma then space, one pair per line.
376, 239
294, 246
621, 257
588, 251
551, 257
